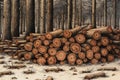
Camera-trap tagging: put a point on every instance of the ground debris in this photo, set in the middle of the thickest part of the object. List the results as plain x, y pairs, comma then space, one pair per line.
95, 75
18, 66
14, 78
54, 70
6, 73
2, 62
2, 57
28, 72
107, 69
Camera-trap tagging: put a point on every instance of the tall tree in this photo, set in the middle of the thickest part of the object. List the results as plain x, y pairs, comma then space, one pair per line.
114, 13
30, 22
105, 12
73, 12
0, 19
37, 15
80, 12
15, 18
49, 16
94, 13
69, 14
7, 20
42, 16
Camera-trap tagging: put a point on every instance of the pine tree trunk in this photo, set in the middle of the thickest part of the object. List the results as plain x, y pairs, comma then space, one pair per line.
42, 17
94, 13
0, 21
69, 14
37, 15
80, 12
30, 24
73, 13
105, 12
7, 20
50, 16
114, 13
15, 18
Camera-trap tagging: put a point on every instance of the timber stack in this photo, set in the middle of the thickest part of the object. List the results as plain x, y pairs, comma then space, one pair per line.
76, 46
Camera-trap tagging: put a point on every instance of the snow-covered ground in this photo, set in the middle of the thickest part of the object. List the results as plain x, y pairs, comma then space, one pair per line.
40, 73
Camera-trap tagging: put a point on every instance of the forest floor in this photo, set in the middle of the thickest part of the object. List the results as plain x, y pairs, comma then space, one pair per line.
68, 73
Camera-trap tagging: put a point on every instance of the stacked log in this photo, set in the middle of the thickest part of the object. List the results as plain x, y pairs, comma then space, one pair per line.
76, 46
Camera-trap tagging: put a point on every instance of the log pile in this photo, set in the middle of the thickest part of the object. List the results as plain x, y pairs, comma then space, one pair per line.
74, 46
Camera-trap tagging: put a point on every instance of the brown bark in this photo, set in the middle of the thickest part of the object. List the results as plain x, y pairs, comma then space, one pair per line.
101, 29
94, 13
7, 20
50, 16
107, 69
95, 75
30, 24
15, 18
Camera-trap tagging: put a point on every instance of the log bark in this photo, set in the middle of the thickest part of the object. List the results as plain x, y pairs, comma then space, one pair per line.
95, 75
107, 69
